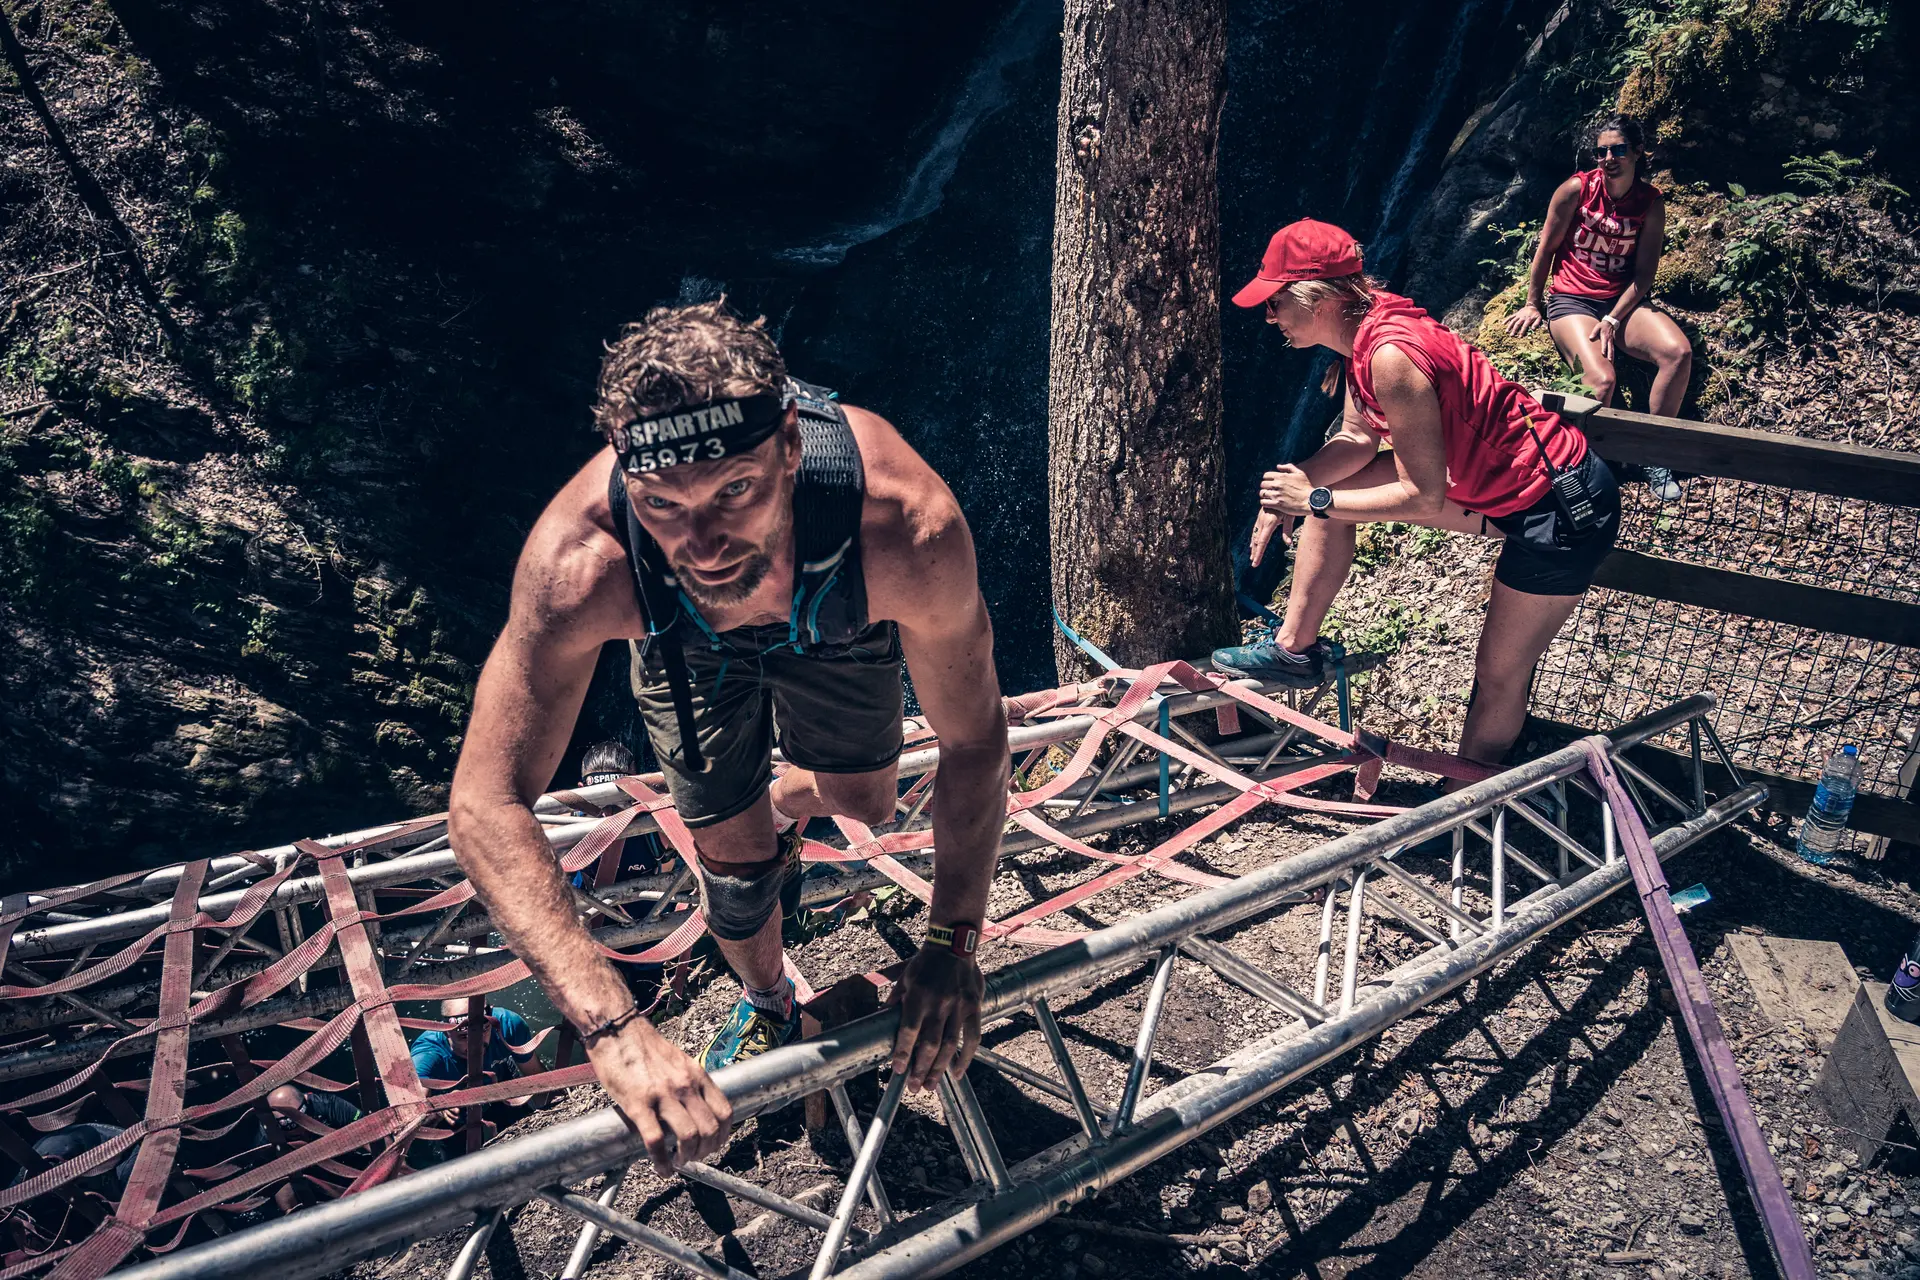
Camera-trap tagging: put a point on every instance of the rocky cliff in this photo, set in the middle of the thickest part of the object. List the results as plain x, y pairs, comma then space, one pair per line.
302, 301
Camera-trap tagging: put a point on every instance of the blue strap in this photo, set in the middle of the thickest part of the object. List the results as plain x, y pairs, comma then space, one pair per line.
1338, 656
1254, 607
1166, 727
1085, 645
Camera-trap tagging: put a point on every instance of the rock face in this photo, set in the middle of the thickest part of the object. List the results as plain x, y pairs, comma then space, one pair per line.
1501, 169
311, 297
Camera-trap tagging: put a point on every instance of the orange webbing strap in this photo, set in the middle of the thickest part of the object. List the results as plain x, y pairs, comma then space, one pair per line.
166, 1097
382, 1023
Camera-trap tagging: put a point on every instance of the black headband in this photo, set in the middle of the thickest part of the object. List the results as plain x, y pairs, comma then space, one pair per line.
705, 433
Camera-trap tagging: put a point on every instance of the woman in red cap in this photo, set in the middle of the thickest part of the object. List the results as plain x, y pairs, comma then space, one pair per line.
1601, 245
1471, 452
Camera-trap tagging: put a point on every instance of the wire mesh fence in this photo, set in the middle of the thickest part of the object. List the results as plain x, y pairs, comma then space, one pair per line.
1789, 696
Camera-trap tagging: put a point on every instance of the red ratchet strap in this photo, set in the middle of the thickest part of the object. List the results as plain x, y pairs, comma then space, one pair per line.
106, 1248
362, 964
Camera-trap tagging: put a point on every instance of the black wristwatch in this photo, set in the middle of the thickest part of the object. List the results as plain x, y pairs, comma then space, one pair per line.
1320, 501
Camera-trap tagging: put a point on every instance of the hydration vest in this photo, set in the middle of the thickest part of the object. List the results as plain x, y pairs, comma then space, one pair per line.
829, 605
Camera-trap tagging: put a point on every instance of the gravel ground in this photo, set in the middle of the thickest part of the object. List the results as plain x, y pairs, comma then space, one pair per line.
1542, 1120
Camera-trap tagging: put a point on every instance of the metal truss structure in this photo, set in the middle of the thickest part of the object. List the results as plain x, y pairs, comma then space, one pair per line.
1476, 875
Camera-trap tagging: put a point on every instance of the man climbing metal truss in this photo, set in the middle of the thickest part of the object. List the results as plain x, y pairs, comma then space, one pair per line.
775, 555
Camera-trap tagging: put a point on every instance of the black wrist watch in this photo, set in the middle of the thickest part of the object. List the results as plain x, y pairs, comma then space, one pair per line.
1320, 501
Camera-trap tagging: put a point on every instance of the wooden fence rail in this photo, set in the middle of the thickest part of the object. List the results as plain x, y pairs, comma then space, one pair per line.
1783, 461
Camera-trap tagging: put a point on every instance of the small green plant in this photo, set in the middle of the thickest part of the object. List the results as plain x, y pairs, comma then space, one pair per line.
1376, 543
1831, 173
1870, 18
230, 234
116, 475
28, 538
174, 540
262, 636
1389, 632
1513, 248
1425, 542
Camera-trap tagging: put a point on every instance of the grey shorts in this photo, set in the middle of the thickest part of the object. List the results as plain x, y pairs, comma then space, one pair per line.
832, 709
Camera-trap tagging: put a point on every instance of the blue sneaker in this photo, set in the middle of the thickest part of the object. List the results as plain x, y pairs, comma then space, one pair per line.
748, 1032
1268, 661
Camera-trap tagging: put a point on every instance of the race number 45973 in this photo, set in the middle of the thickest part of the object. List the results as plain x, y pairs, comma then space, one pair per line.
669, 455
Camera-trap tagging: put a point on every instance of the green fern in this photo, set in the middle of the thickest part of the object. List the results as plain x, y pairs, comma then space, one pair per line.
1831, 173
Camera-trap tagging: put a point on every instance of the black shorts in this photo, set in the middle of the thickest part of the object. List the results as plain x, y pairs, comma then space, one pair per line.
1541, 556
833, 709
1562, 305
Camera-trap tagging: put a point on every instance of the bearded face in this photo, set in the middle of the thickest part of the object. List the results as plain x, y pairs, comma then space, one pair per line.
722, 525
747, 574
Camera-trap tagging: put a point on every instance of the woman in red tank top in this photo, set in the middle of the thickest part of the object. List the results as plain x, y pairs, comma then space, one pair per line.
1592, 277
1471, 452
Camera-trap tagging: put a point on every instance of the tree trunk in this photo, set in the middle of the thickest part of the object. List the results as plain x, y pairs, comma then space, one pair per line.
1139, 528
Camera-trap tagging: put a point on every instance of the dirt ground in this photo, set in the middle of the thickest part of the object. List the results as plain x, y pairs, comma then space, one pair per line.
1543, 1120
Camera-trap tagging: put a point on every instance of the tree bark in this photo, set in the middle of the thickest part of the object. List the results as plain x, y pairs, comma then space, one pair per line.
1140, 563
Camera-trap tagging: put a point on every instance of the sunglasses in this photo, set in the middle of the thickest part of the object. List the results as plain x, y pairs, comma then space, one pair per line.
1618, 150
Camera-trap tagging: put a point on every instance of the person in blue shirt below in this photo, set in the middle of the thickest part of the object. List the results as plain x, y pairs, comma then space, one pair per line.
442, 1055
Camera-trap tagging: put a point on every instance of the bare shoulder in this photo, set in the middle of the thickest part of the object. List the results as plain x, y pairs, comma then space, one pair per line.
906, 499
573, 576
914, 540
1568, 192
1395, 374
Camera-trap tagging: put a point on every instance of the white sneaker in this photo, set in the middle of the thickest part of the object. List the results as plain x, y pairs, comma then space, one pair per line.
1662, 485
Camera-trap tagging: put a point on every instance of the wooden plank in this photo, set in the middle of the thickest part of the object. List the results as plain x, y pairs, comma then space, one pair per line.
1762, 457
1872, 814
1870, 1076
1796, 980
1817, 608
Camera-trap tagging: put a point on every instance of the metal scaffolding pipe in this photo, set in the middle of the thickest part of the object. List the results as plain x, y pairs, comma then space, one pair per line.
326, 1237
120, 926
1054, 1180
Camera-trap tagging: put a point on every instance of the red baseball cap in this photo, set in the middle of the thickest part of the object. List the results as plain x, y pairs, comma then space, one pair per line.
1303, 250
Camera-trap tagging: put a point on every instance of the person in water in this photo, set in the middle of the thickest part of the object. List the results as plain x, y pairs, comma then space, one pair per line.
1591, 281
779, 554
1470, 452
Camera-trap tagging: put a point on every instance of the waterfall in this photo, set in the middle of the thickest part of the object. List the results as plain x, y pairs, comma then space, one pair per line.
1389, 231
1385, 243
1019, 38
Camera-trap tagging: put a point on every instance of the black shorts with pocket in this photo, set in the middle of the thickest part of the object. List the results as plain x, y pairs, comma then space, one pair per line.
1562, 305
833, 709
1542, 556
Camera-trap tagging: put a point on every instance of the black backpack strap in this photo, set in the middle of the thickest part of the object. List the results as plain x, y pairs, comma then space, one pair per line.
657, 601
828, 499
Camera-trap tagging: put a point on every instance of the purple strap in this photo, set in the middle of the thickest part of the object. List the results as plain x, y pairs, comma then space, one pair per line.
1703, 1026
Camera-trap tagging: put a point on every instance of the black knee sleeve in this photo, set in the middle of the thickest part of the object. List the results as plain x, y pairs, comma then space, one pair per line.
737, 907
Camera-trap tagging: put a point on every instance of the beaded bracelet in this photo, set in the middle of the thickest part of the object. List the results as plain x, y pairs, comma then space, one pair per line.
607, 1026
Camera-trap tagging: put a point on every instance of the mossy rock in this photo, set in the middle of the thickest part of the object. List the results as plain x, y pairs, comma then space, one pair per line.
1531, 360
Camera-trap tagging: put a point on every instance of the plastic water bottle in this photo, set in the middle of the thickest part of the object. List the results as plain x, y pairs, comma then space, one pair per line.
1824, 828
